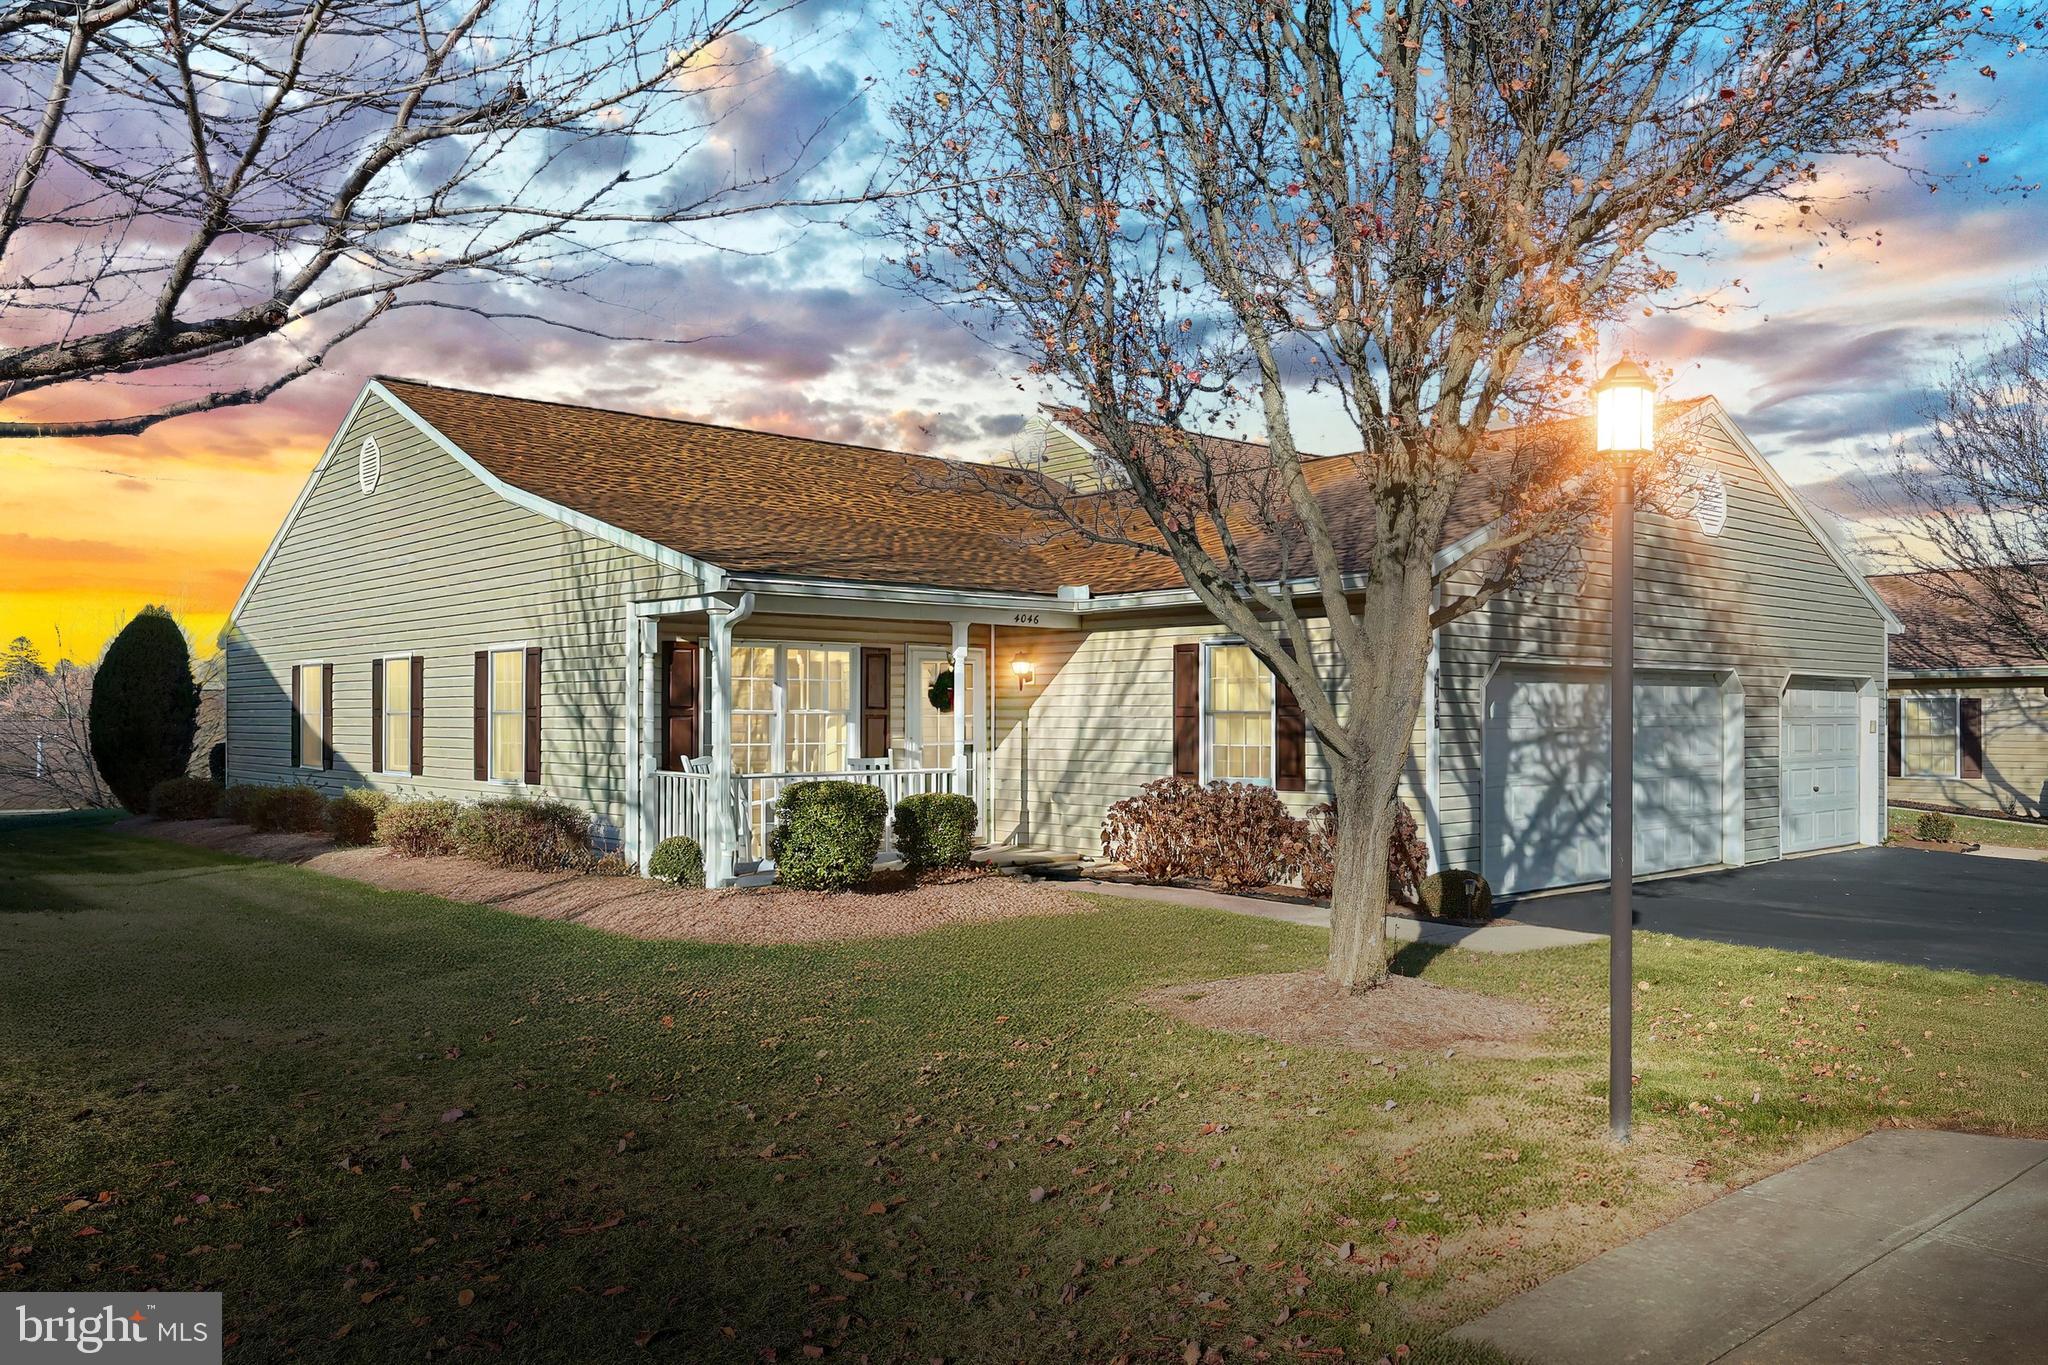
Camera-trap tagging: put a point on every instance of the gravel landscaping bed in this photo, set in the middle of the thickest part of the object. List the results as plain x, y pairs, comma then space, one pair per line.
890, 906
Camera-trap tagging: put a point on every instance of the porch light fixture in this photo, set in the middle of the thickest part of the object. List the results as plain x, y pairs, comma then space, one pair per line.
1021, 666
1624, 421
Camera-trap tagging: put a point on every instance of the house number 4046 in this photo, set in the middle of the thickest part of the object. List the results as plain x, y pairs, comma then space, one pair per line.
1025, 618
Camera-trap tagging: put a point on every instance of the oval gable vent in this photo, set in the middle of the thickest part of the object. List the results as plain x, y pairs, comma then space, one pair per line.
369, 464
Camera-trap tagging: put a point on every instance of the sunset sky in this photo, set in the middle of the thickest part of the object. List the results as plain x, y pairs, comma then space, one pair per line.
1829, 353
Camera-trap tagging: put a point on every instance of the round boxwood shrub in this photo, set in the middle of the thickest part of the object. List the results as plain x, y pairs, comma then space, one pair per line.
677, 860
1455, 894
827, 834
1935, 827
935, 829
418, 829
145, 708
352, 816
185, 798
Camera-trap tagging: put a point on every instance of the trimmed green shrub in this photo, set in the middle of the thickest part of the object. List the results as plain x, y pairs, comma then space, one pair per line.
251, 804
185, 798
513, 831
936, 829
1935, 827
217, 763
677, 860
1455, 894
302, 809
352, 816
827, 834
145, 708
418, 829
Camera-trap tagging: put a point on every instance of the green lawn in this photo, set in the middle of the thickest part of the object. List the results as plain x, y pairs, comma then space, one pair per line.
968, 1145
1976, 829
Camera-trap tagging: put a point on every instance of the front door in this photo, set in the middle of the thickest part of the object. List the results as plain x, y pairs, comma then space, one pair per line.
930, 729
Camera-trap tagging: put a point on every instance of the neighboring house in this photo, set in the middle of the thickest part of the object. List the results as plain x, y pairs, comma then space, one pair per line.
1968, 706
665, 622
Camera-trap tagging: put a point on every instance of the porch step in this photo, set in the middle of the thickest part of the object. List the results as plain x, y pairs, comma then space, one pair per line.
1037, 862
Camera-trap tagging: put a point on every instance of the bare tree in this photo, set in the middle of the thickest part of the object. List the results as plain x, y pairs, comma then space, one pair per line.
256, 181
1183, 217
1971, 493
45, 749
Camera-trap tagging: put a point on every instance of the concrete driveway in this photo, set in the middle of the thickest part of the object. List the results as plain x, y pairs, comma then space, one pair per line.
1926, 1248
1962, 911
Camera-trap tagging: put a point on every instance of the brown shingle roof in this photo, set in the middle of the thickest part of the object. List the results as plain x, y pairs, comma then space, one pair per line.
1944, 630
753, 502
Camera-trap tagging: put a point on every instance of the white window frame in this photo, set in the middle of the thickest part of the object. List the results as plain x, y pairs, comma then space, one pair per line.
491, 653
1955, 735
312, 762
1208, 767
384, 736
778, 725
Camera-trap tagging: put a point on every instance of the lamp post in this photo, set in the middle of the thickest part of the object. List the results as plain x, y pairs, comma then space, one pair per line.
1625, 409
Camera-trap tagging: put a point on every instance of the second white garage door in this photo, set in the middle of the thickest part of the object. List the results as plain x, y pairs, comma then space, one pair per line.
1545, 811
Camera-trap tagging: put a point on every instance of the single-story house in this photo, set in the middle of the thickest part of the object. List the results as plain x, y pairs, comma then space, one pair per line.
666, 622
1968, 702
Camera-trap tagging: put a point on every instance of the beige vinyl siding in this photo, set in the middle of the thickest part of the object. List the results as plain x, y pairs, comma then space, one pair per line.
2015, 780
1096, 724
1764, 599
433, 562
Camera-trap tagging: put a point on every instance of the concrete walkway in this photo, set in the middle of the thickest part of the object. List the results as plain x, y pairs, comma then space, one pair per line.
1902, 1246
1489, 938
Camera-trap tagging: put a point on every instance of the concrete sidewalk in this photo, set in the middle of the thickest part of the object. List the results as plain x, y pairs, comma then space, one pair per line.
1901, 1246
1486, 938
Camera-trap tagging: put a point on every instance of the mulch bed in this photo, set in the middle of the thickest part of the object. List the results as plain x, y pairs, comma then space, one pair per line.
892, 904
1933, 845
1405, 1013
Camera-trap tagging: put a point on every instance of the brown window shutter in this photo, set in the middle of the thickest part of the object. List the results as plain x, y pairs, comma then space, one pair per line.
327, 715
1290, 740
376, 715
533, 715
483, 715
1187, 711
1970, 714
679, 704
419, 715
874, 702
295, 715
1894, 741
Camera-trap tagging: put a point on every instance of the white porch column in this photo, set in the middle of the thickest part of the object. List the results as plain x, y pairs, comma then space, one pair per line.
960, 707
643, 716
719, 855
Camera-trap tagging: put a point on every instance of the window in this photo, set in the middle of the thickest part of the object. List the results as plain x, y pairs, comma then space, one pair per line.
1239, 716
818, 695
395, 723
508, 715
312, 704
792, 708
1929, 731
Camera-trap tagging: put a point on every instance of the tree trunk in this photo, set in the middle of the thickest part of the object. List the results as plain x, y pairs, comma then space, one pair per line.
1379, 725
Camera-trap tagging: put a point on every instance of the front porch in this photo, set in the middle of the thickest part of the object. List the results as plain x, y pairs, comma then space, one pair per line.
734, 696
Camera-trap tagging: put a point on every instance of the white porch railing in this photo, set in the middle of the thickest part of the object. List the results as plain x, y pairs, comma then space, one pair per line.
682, 804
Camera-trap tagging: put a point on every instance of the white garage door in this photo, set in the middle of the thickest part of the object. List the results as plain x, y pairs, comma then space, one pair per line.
1822, 787
1545, 812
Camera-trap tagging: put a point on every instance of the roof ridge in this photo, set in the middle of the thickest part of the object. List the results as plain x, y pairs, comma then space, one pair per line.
671, 421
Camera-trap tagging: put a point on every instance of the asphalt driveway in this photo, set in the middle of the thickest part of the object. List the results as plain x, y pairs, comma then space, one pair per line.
1967, 912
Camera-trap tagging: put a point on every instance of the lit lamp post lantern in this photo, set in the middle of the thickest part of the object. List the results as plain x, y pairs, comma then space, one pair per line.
1625, 416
